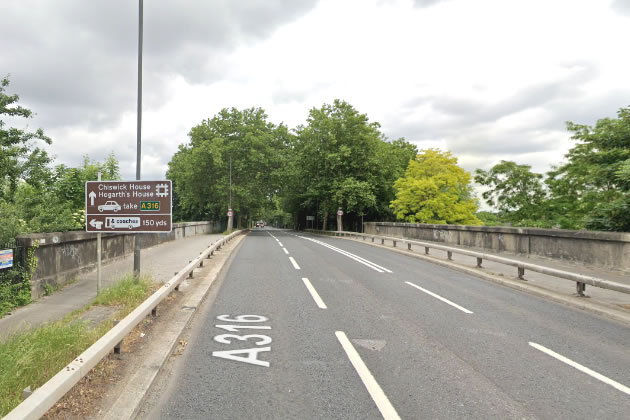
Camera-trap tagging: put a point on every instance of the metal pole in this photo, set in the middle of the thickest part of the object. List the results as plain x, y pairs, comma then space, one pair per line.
98, 256
136, 251
230, 218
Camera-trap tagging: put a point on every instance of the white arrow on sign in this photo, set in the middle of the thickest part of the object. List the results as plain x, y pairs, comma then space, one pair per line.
96, 224
92, 196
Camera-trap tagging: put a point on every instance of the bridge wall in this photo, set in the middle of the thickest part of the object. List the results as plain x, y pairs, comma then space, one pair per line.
609, 250
61, 256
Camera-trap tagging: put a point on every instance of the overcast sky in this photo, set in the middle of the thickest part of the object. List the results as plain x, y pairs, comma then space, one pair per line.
485, 79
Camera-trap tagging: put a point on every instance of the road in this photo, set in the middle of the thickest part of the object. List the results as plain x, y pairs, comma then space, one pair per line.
305, 327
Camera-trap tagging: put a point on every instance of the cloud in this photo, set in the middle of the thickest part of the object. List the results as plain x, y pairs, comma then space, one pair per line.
486, 79
425, 3
75, 62
622, 7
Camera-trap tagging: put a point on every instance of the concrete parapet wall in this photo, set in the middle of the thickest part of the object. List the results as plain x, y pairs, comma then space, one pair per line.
61, 256
610, 250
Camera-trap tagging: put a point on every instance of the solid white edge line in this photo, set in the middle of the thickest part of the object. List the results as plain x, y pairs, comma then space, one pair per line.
285, 251
295, 265
453, 304
382, 402
582, 368
318, 300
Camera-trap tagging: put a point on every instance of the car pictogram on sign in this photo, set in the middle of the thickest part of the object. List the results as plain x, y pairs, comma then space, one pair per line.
109, 205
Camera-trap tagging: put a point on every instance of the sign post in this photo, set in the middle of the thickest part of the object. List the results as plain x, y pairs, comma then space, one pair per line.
339, 224
128, 206
230, 215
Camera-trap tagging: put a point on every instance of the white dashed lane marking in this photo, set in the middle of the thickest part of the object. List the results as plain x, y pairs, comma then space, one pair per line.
461, 308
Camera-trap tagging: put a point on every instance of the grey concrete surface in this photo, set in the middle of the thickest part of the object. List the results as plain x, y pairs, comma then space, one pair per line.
430, 359
159, 262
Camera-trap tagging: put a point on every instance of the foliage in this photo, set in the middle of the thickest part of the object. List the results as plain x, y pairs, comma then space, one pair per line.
200, 170
340, 159
489, 218
34, 197
593, 187
57, 207
513, 189
32, 357
20, 159
435, 190
15, 283
69, 183
127, 292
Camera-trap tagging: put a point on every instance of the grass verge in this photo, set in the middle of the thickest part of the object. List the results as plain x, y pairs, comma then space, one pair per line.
34, 356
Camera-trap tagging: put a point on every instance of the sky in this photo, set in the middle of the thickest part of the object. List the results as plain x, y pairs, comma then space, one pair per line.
489, 80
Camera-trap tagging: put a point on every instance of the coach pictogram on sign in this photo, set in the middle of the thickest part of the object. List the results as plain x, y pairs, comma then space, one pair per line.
130, 206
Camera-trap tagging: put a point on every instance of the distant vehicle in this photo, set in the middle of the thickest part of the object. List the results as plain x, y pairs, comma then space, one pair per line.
260, 224
109, 205
122, 222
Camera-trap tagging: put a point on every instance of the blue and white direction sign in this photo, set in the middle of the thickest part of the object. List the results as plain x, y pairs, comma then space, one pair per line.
129, 206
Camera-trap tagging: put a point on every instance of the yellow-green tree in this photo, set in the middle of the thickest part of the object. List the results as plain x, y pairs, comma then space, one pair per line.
435, 190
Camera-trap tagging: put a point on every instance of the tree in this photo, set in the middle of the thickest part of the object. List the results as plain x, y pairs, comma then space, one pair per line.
20, 159
435, 190
341, 159
516, 191
200, 170
69, 183
593, 187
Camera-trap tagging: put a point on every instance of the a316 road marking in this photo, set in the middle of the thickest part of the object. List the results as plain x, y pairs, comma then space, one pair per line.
582, 368
249, 355
461, 308
318, 300
382, 402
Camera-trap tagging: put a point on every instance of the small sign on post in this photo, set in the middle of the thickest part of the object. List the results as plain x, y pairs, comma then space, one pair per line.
6, 258
129, 206
230, 213
339, 224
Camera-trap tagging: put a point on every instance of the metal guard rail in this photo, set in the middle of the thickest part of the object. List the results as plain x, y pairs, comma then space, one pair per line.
44, 397
580, 279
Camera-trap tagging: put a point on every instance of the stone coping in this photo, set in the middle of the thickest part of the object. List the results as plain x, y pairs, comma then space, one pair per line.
52, 238
560, 233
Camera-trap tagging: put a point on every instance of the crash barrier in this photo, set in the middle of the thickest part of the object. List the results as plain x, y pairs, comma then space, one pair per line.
44, 397
580, 280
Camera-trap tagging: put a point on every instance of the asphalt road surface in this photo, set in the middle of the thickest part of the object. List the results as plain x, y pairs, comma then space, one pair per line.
304, 327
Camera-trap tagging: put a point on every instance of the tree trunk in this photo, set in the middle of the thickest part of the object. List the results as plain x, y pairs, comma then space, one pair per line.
325, 222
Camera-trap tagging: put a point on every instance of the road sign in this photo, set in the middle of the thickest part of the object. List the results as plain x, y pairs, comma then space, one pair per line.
129, 206
339, 212
230, 213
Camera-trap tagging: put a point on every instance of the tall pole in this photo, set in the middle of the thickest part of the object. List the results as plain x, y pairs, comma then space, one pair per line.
231, 212
98, 256
136, 251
